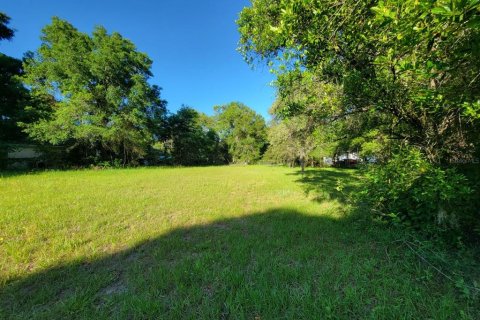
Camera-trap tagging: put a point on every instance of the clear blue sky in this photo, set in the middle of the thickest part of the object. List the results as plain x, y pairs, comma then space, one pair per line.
191, 42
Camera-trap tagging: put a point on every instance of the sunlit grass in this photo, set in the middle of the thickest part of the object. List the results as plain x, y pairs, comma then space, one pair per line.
214, 242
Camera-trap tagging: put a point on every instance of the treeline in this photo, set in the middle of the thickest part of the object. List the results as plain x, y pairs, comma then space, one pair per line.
234, 134
397, 81
86, 100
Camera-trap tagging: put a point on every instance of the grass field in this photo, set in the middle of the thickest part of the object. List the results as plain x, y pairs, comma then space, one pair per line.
251, 242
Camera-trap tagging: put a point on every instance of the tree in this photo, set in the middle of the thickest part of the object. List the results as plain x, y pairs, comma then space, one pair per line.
12, 93
408, 69
192, 140
243, 130
15, 98
291, 140
16, 102
103, 101
9, 90
406, 73
6, 33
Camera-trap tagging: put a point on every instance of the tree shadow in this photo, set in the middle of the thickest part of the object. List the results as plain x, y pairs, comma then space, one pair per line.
274, 264
329, 184
16, 173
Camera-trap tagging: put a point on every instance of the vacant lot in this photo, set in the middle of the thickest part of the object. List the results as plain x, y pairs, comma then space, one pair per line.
211, 243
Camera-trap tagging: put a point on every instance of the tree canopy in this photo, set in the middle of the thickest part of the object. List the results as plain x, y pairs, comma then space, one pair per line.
243, 130
192, 140
102, 96
14, 97
6, 33
397, 80
407, 69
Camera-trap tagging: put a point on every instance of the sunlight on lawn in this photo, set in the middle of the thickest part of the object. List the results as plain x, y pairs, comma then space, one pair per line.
212, 242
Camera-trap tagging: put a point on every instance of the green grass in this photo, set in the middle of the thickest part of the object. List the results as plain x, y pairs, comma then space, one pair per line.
234, 242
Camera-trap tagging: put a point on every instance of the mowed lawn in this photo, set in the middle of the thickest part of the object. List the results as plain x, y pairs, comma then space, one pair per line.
238, 242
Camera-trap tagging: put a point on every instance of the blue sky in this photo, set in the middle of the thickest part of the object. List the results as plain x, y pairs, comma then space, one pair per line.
192, 43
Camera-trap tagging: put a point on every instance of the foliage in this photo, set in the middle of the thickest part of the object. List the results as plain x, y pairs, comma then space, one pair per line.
192, 140
407, 69
115, 164
243, 130
6, 33
16, 103
329, 132
410, 190
103, 101
378, 76
10, 90
291, 140
15, 98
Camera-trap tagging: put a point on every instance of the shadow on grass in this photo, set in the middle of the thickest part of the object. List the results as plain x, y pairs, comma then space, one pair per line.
15, 173
274, 264
329, 183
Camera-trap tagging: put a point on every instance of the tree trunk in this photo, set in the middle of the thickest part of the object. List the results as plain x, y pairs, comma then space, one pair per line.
124, 154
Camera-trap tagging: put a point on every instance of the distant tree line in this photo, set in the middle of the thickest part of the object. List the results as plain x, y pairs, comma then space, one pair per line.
90, 96
234, 134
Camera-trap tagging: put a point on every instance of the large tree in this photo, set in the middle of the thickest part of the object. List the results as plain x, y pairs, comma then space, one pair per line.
10, 90
243, 130
291, 140
15, 99
16, 103
104, 103
407, 76
406, 68
12, 93
192, 140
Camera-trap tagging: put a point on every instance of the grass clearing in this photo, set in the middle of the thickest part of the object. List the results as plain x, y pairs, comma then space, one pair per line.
238, 242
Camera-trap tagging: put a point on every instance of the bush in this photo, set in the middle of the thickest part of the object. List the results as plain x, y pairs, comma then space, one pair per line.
115, 163
411, 191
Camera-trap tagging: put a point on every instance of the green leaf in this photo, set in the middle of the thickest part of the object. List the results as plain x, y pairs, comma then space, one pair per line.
440, 11
474, 23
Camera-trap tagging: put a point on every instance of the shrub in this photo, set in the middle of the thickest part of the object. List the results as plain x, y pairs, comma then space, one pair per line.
115, 163
411, 191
